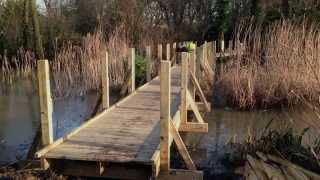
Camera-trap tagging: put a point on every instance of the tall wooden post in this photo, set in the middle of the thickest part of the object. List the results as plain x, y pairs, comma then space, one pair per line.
105, 82
159, 55
199, 59
148, 63
132, 60
222, 45
168, 58
214, 47
46, 108
165, 103
184, 87
174, 53
193, 71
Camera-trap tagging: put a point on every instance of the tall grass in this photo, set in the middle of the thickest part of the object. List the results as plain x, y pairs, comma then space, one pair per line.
75, 69
277, 65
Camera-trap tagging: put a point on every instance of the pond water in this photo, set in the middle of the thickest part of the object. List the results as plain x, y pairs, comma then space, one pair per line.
226, 125
19, 119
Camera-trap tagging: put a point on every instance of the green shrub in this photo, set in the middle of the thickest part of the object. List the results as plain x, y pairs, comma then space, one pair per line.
141, 67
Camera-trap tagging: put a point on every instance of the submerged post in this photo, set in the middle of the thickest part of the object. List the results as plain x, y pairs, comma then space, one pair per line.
148, 63
165, 103
168, 58
46, 108
132, 60
184, 87
105, 82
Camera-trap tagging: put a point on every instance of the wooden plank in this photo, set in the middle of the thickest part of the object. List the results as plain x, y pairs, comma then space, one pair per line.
165, 103
199, 90
176, 174
89, 122
45, 106
184, 88
194, 127
132, 57
181, 147
201, 107
148, 63
105, 82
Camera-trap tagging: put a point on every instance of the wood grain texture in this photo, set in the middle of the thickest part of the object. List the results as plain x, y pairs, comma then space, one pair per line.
127, 132
105, 82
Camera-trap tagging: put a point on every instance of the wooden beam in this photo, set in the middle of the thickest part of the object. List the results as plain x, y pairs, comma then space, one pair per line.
46, 108
148, 63
194, 127
201, 106
195, 109
105, 82
165, 119
199, 90
182, 148
184, 88
176, 174
192, 70
132, 57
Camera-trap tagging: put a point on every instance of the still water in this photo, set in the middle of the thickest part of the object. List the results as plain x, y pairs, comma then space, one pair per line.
19, 119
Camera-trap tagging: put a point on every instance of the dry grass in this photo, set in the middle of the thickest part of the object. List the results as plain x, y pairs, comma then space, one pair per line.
276, 67
75, 70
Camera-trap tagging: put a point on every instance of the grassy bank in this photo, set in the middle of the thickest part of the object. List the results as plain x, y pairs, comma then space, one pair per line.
279, 65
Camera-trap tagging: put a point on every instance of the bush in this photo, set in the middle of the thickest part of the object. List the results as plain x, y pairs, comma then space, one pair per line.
141, 68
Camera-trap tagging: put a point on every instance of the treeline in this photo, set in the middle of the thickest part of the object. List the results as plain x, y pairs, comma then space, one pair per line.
45, 26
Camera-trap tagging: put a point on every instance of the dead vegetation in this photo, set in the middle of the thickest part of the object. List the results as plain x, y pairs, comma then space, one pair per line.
276, 66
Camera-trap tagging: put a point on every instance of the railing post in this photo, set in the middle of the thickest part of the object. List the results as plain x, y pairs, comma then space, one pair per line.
160, 52
184, 87
222, 45
148, 63
193, 71
174, 53
165, 103
46, 108
105, 82
199, 59
168, 58
132, 60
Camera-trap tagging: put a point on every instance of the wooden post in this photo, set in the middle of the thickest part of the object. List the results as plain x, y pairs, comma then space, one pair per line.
222, 45
199, 59
46, 108
214, 47
105, 82
193, 70
174, 53
165, 103
168, 58
148, 63
205, 51
160, 52
132, 60
184, 88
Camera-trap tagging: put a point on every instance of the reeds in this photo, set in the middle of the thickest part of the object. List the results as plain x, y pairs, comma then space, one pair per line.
75, 70
277, 65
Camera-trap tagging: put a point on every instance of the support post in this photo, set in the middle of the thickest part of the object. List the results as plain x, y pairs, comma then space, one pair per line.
174, 53
160, 52
193, 71
46, 108
168, 58
165, 103
132, 57
148, 63
105, 82
184, 88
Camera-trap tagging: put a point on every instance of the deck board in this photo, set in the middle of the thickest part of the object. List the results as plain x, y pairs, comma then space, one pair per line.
128, 133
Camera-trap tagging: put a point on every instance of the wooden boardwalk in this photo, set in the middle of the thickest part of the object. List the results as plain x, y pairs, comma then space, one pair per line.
131, 139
